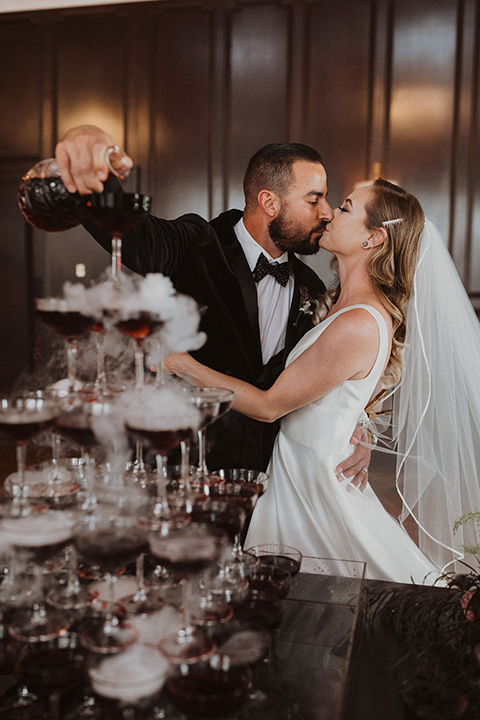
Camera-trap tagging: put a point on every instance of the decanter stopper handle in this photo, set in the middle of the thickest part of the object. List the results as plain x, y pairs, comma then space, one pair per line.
118, 162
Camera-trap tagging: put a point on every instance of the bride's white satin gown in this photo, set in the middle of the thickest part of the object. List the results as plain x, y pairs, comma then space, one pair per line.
306, 506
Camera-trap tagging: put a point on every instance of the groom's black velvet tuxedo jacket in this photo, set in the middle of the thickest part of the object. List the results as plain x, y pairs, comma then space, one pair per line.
205, 260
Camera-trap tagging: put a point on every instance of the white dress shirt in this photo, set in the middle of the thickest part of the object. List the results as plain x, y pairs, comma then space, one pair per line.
273, 300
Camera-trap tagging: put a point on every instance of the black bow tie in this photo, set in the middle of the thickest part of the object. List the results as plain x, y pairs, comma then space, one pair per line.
280, 271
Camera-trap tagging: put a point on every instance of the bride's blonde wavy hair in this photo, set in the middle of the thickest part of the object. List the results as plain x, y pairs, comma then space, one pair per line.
392, 264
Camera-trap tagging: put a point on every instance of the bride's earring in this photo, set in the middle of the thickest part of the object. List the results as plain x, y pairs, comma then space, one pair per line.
365, 243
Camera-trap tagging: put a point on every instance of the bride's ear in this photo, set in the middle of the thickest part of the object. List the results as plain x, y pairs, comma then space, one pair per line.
377, 237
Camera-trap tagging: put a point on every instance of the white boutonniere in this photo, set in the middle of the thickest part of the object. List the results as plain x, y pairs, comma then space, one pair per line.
308, 304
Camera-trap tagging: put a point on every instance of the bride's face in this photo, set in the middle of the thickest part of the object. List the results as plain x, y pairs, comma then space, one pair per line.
347, 231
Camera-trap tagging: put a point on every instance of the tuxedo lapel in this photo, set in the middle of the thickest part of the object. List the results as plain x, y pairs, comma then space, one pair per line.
299, 323
240, 267
242, 289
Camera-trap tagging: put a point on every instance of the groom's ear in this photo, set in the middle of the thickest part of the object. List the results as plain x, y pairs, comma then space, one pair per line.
269, 202
377, 237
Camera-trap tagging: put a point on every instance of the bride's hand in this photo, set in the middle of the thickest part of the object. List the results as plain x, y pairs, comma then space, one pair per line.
183, 366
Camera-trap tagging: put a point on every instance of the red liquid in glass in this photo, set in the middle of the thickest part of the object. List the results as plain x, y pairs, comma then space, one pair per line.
47, 204
227, 517
139, 327
208, 692
117, 212
77, 428
111, 548
16, 428
161, 441
282, 562
70, 324
52, 669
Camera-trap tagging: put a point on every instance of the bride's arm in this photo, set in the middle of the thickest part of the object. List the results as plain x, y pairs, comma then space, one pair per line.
346, 350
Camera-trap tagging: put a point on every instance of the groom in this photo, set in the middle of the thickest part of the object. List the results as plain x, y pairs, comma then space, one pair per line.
257, 308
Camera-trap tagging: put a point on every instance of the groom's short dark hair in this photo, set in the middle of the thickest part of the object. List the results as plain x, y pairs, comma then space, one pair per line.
271, 168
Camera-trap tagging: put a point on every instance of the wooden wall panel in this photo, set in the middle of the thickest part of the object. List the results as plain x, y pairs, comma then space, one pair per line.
90, 71
422, 102
89, 88
257, 87
21, 68
181, 99
16, 328
193, 87
337, 92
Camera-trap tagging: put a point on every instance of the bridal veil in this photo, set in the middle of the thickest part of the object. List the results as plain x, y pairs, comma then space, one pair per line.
436, 418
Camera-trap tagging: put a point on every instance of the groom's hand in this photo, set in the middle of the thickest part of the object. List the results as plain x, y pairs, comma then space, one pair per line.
356, 466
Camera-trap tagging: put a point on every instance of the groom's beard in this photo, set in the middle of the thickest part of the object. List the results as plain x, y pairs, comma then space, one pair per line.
290, 235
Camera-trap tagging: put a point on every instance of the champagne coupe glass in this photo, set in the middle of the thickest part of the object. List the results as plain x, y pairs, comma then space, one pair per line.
244, 486
215, 687
21, 418
51, 667
187, 552
212, 403
118, 213
226, 513
110, 538
100, 388
139, 325
279, 556
39, 536
71, 597
162, 419
55, 481
57, 314
89, 425
131, 678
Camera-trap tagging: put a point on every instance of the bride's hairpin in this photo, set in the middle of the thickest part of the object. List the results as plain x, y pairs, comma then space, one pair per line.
391, 222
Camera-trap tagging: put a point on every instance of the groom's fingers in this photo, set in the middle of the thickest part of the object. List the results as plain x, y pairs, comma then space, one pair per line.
355, 467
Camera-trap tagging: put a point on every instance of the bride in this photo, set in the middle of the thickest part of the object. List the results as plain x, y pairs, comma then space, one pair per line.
356, 347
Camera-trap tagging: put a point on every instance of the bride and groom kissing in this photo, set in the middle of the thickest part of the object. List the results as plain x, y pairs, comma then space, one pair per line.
266, 311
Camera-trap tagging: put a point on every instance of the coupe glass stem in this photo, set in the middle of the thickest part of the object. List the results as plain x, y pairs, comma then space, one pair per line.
91, 498
140, 595
110, 620
21, 452
186, 608
72, 364
101, 379
160, 376
116, 260
202, 451
185, 464
39, 614
138, 465
161, 503
139, 366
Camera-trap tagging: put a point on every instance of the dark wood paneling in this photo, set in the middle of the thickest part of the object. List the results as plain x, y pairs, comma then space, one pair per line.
88, 88
21, 66
257, 89
90, 71
16, 329
193, 87
422, 108
337, 100
181, 92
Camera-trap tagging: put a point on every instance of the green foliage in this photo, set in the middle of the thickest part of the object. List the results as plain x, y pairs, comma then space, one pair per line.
468, 517
474, 517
